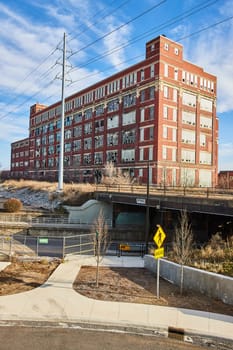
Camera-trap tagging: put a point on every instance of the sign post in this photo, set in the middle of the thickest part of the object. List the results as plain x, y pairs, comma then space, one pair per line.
159, 238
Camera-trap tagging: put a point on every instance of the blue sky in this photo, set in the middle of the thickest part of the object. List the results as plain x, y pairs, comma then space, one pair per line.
103, 37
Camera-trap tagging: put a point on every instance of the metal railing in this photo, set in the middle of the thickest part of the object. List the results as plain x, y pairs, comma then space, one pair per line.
204, 192
59, 247
47, 220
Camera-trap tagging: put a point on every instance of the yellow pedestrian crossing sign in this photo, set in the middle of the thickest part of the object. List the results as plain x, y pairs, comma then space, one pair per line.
159, 253
159, 236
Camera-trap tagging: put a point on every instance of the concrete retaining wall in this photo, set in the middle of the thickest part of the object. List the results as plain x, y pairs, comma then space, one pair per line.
208, 283
89, 212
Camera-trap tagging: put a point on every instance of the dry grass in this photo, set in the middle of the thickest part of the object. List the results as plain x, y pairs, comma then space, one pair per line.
73, 194
46, 186
216, 256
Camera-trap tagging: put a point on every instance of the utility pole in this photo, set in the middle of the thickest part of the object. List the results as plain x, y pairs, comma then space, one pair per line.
147, 206
61, 155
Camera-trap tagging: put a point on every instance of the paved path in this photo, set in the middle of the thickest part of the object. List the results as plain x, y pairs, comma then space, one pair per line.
56, 301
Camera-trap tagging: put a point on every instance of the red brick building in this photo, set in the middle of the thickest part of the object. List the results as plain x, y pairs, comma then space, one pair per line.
161, 110
225, 179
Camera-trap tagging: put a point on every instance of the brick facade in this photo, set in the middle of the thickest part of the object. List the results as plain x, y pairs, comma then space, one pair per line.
161, 110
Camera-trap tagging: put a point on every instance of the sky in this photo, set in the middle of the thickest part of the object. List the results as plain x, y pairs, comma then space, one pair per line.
104, 37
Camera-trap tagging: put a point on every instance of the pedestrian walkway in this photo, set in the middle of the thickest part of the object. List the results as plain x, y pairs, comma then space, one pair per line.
56, 301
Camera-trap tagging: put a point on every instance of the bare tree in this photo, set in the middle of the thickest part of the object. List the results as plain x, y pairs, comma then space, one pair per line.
113, 175
182, 244
101, 241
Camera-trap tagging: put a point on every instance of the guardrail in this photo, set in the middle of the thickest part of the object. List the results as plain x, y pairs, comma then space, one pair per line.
205, 192
47, 220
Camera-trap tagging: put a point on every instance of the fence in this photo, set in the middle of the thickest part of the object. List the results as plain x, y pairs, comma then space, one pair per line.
183, 191
21, 245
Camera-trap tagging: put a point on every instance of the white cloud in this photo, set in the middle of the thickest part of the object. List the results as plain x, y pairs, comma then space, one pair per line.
226, 156
213, 50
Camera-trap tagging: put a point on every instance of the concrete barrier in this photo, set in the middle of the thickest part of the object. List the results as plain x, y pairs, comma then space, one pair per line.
208, 283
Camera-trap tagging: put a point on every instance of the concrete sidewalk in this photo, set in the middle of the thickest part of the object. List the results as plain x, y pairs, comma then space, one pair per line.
56, 301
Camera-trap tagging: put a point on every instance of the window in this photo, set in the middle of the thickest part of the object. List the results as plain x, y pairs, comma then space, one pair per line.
205, 122
152, 92
174, 154
188, 136
67, 147
86, 158
68, 134
187, 177
78, 117
88, 128
141, 154
51, 139
165, 69
68, 120
189, 99
176, 73
88, 97
99, 110
99, 141
98, 158
50, 150
188, 118
87, 143
77, 145
205, 178
68, 106
128, 136
99, 126
129, 100
78, 131
142, 115
152, 71
174, 114
151, 113
88, 114
112, 156
113, 105
164, 150
151, 153
174, 135
205, 158
206, 105
166, 46
142, 95
78, 102
165, 112
113, 122
165, 91
112, 139
129, 118
175, 95
165, 133
77, 159
129, 80
176, 51
142, 74
113, 86
202, 140
187, 156
128, 155
50, 162
100, 92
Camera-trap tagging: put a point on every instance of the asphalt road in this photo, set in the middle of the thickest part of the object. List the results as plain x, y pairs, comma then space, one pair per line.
25, 338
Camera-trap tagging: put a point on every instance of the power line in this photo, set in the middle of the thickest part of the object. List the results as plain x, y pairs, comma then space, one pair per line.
120, 27
99, 18
166, 24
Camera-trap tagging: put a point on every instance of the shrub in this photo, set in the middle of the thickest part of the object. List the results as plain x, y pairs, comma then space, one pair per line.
12, 205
